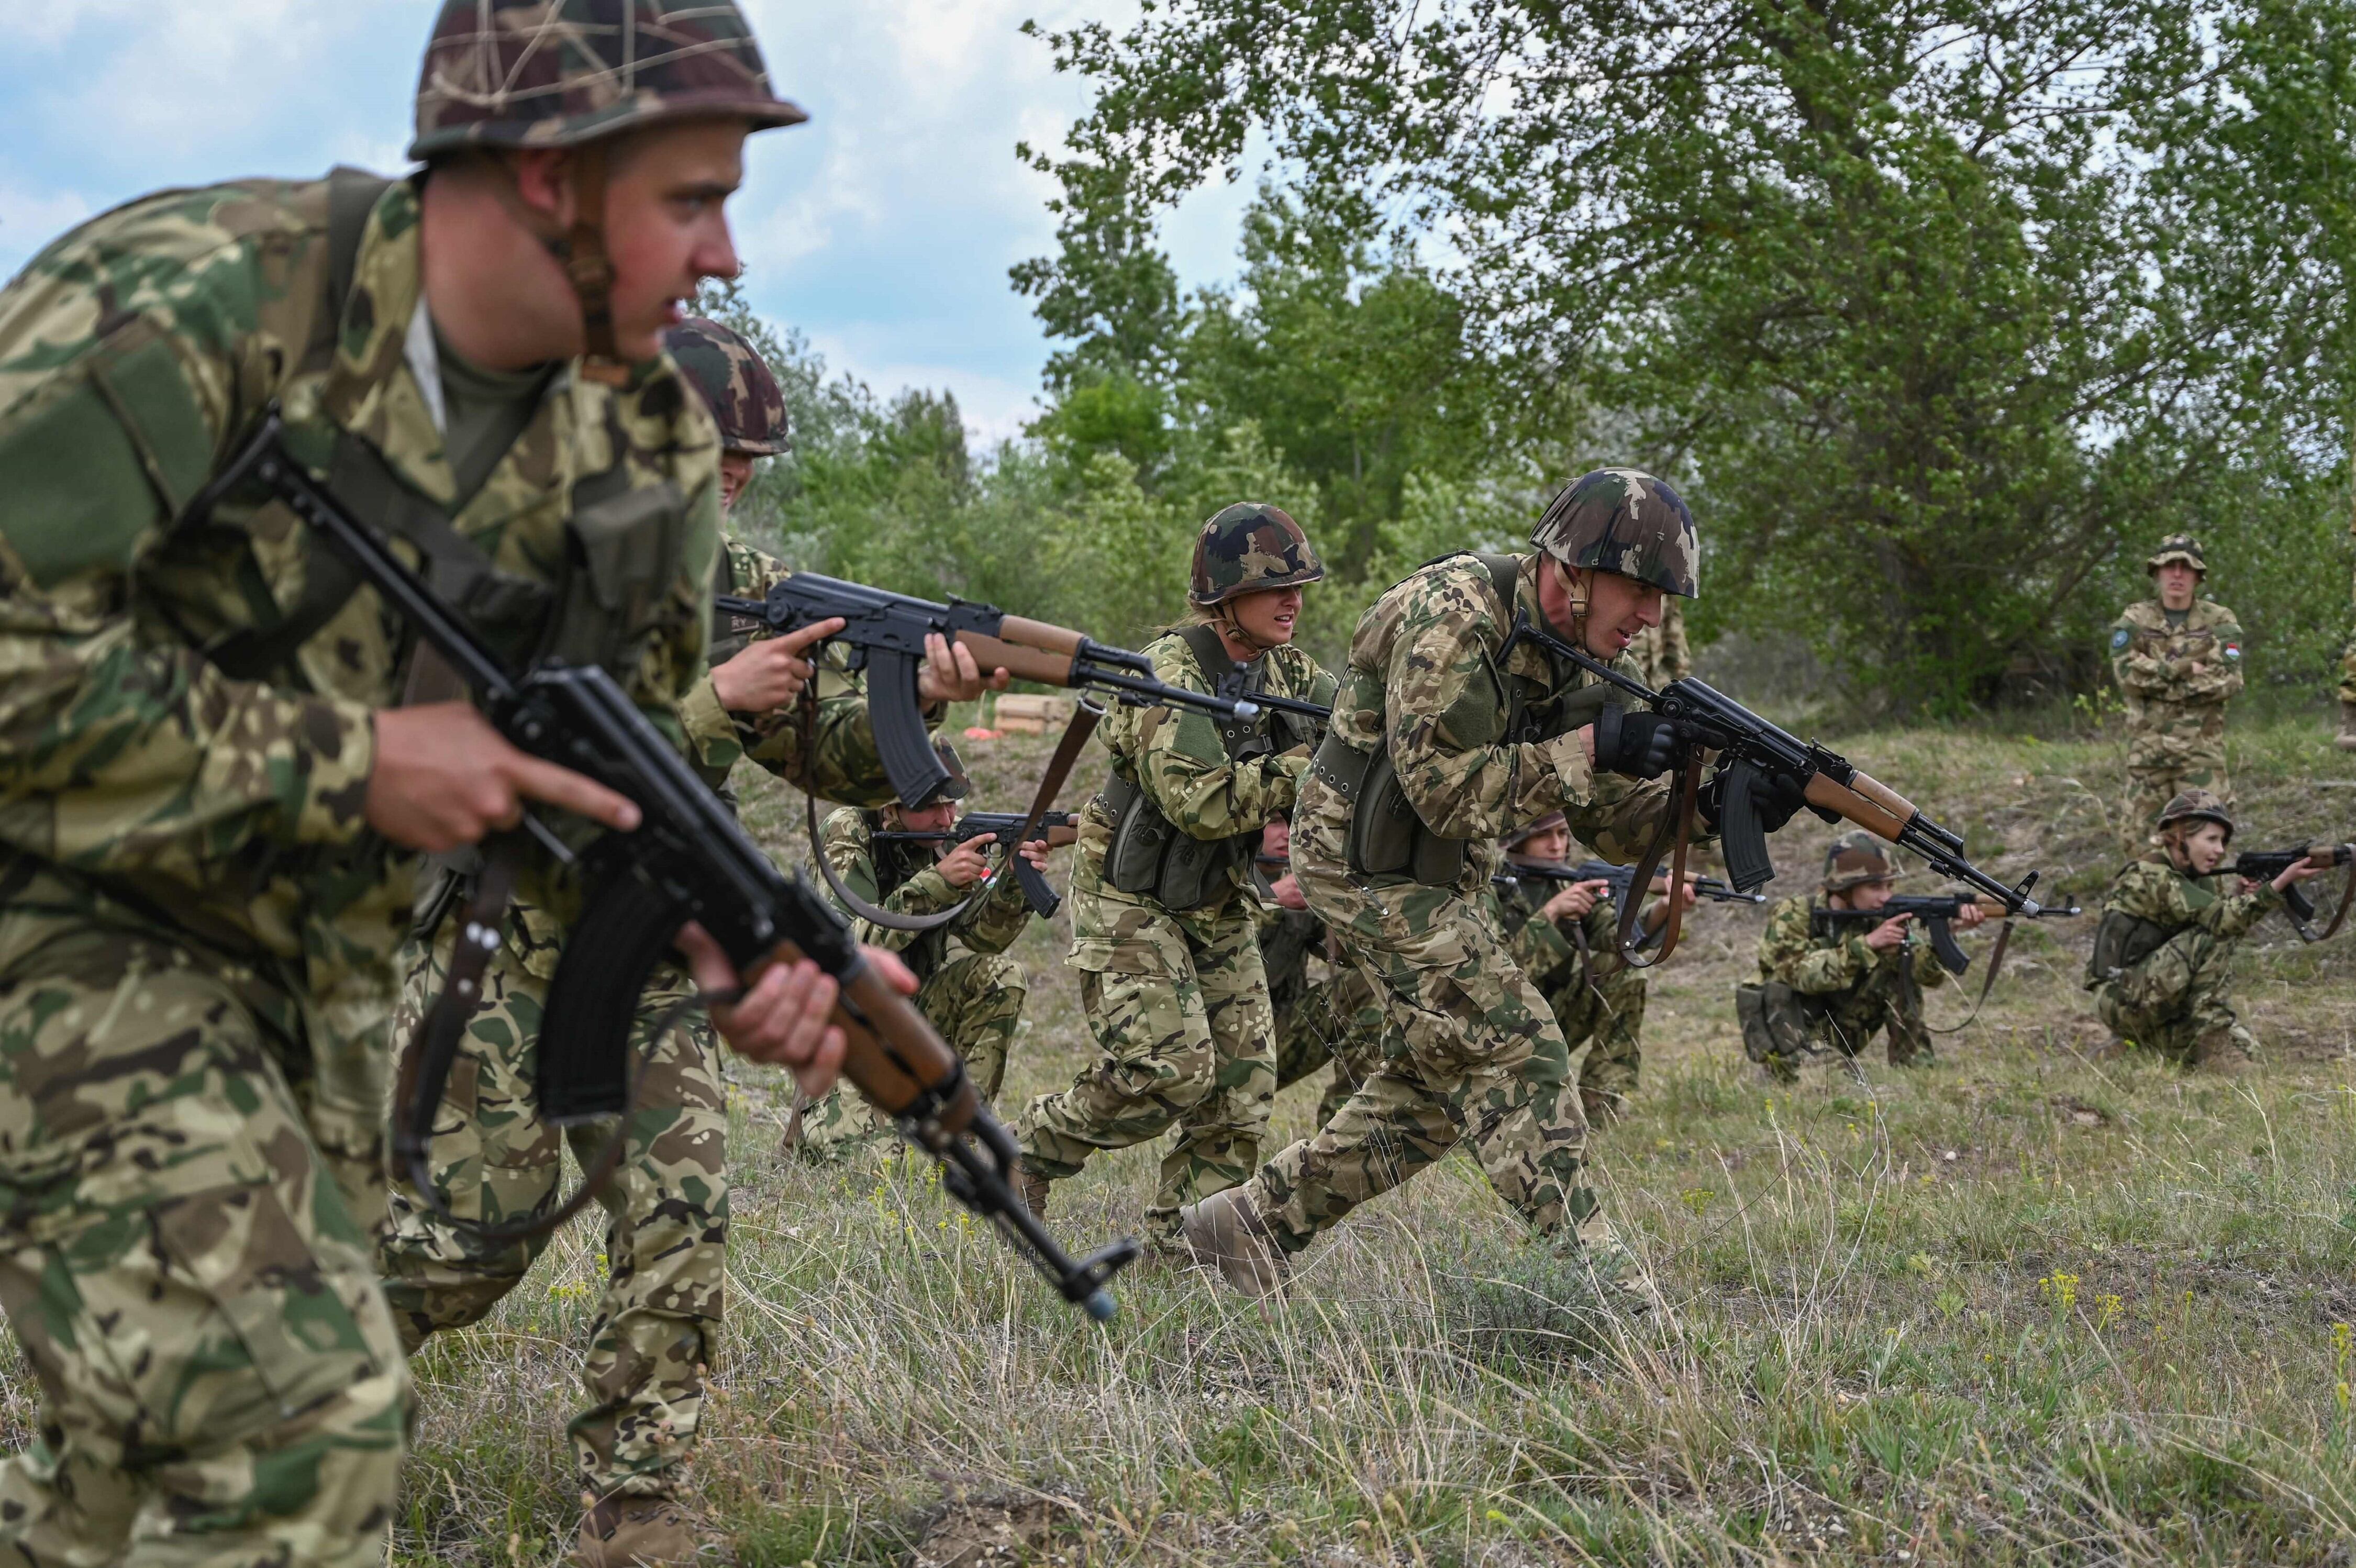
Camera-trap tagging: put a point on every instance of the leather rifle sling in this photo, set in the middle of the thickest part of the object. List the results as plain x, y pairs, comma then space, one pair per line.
1678, 823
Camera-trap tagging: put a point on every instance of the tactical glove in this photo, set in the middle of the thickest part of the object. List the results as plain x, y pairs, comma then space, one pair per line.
1641, 745
1773, 799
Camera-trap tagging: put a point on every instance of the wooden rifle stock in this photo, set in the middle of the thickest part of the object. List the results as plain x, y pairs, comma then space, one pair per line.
1870, 803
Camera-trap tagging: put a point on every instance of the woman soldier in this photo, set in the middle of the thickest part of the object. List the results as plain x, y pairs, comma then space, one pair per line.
1163, 931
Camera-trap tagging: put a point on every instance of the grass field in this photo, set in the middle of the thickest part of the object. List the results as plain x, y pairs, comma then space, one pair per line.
2017, 1308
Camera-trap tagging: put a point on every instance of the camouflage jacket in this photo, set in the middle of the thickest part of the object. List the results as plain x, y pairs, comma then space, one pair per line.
2172, 710
901, 877
1662, 653
1542, 949
1420, 680
144, 787
1176, 758
845, 766
1821, 963
2152, 889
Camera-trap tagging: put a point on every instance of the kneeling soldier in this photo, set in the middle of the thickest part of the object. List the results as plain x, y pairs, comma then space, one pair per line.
2163, 955
1565, 936
975, 999
1822, 980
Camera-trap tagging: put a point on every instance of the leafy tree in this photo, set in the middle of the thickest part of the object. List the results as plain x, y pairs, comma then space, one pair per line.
1942, 309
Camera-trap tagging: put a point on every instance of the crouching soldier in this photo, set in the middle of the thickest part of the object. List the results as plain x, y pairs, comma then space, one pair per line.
1564, 936
975, 999
2163, 954
1828, 980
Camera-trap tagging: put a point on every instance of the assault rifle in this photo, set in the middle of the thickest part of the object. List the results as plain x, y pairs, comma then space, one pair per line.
1055, 829
885, 633
688, 859
1620, 877
1937, 913
1751, 754
2265, 865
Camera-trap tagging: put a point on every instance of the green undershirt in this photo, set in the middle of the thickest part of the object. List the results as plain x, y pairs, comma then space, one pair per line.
487, 410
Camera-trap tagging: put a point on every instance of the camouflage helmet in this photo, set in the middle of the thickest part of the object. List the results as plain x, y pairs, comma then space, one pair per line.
2196, 806
1856, 858
555, 73
1250, 546
2178, 547
736, 383
1514, 838
1620, 520
957, 785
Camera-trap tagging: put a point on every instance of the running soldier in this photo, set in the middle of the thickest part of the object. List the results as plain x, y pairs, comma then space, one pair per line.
2178, 659
974, 999
1566, 939
1163, 927
1827, 982
214, 789
658, 1328
2161, 971
1432, 756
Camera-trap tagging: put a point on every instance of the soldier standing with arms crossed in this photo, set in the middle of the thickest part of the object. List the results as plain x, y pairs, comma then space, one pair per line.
210, 793
1163, 928
2178, 659
1432, 756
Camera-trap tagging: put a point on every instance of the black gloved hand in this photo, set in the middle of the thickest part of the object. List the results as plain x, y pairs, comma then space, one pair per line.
1640, 745
1773, 799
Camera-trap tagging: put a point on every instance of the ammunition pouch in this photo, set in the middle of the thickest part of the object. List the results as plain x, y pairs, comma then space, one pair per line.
1778, 1023
1151, 858
2122, 941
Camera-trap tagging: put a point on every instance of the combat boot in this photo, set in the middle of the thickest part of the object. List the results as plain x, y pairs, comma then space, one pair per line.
2346, 739
1225, 1232
636, 1532
1031, 1189
1601, 1107
2226, 1051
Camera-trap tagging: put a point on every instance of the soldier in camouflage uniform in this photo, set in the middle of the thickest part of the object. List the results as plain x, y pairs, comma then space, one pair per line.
1661, 652
213, 797
974, 999
1163, 933
1338, 1022
496, 1161
2162, 965
1429, 758
2178, 659
1838, 984
1566, 939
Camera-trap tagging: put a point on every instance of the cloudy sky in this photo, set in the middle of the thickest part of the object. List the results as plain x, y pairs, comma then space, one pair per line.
882, 229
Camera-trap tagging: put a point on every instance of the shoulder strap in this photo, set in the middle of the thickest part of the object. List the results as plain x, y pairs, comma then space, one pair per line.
1504, 571
1209, 652
352, 195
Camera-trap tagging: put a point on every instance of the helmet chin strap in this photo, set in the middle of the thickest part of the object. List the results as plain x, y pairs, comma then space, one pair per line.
1226, 622
581, 252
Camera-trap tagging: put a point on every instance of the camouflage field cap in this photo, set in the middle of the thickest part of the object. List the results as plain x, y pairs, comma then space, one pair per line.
737, 385
2180, 547
2196, 806
1514, 838
1250, 546
1856, 858
554, 73
1621, 520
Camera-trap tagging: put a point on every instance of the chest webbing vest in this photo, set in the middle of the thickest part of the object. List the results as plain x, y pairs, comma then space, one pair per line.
2122, 941
1387, 837
1149, 856
622, 539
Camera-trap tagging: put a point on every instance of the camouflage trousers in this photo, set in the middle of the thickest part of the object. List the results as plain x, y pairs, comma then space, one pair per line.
494, 1161
1178, 1004
1470, 1051
1607, 1017
976, 1002
1339, 1022
1884, 1002
2179, 997
221, 1383
2150, 789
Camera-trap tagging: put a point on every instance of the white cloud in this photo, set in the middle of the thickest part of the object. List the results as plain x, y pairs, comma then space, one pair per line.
30, 219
